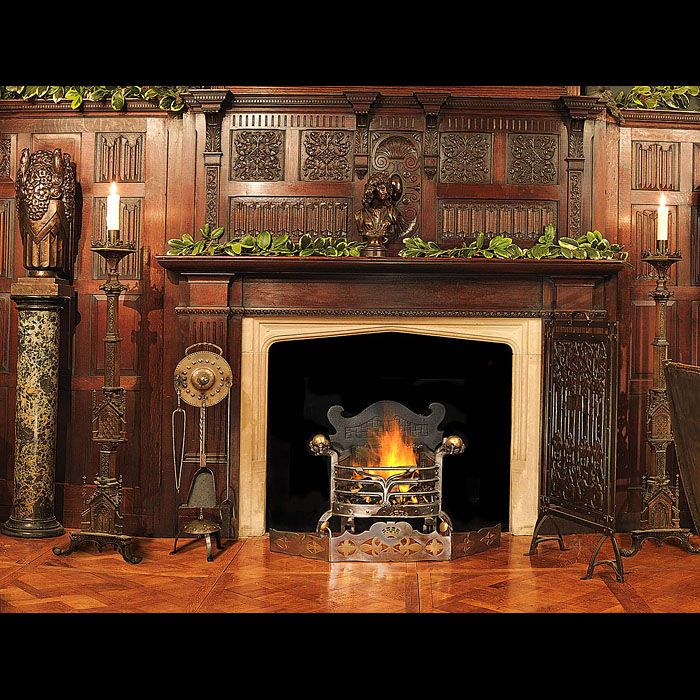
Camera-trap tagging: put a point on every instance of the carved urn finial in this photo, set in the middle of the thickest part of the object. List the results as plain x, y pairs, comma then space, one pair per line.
46, 209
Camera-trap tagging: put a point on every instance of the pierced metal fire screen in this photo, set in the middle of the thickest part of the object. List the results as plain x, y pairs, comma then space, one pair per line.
386, 463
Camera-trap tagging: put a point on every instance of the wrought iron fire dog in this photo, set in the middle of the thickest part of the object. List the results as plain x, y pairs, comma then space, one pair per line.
361, 489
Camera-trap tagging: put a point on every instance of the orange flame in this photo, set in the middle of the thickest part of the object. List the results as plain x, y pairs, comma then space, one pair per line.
387, 448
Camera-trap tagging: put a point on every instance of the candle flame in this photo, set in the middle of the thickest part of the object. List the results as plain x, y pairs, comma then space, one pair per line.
114, 188
663, 200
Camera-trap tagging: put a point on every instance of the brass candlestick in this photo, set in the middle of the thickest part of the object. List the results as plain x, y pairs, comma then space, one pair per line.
660, 512
101, 520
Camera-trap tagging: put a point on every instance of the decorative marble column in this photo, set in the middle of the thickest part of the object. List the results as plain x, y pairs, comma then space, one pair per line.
39, 301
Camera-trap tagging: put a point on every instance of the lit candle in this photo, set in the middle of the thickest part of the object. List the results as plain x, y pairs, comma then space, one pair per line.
662, 221
113, 209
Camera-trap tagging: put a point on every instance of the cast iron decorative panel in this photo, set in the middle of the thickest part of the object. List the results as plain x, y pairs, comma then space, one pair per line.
257, 155
578, 470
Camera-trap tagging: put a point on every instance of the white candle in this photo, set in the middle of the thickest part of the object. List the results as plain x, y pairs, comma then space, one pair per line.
113, 209
662, 221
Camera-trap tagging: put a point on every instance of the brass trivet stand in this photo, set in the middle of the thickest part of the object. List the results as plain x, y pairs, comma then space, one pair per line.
660, 511
101, 520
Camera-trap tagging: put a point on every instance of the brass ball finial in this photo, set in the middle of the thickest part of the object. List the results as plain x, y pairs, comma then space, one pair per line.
454, 443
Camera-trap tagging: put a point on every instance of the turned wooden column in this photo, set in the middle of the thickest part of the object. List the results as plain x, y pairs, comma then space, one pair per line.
39, 302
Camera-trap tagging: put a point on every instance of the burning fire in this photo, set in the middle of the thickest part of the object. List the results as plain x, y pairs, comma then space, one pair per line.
387, 448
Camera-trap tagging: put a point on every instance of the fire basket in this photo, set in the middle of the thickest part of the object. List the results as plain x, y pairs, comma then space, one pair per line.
386, 463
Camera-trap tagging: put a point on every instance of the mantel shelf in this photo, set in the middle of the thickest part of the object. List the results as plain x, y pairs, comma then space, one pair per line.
269, 265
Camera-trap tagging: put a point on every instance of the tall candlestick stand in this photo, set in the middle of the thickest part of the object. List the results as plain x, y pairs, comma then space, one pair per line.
660, 511
101, 520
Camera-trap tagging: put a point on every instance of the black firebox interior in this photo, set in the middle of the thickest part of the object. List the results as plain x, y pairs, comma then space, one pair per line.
471, 379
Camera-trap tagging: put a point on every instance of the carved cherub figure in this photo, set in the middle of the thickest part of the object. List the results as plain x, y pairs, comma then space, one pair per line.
45, 208
380, 219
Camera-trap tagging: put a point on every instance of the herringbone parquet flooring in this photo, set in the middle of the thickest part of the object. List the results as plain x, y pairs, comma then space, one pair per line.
246, 577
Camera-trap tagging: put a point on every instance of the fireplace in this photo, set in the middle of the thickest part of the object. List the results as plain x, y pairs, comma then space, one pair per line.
520, 339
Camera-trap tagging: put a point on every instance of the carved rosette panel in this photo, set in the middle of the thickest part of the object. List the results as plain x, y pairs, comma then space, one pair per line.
325, 156
5, 157
317, 216
130, 220
119, 157
532, 159
7, 221
578, 441
400, 153
257, 155
465, 158
461, 219
655, 166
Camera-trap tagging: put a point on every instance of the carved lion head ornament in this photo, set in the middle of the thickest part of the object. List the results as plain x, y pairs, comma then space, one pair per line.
46, 209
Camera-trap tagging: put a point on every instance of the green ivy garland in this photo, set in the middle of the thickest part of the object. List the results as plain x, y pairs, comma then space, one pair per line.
262, 244
169, 97
657, 97
590, 246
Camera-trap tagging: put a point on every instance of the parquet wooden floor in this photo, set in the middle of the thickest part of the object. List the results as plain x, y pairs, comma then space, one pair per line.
246, 577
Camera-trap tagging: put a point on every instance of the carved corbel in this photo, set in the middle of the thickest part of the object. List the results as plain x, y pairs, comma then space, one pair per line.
361, 104
579, 109
432, 103
210, 103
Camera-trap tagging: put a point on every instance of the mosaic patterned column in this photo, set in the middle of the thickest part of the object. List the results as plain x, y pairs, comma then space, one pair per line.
32, 513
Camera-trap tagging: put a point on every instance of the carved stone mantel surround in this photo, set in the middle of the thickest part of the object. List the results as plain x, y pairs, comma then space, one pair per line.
218, 295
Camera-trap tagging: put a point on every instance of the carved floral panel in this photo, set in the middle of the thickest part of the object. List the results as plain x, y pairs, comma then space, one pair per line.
257, 155
5, 157
465, 157
326, 156
532, 159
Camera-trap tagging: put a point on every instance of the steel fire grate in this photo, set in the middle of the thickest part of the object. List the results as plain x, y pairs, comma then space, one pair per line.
398, 492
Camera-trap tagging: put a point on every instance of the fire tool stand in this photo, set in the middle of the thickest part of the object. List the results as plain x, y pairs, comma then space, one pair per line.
660, 511
101, 520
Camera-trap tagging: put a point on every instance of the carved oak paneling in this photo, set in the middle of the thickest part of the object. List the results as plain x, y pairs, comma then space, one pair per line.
119, 156
643, 235
5, 157
532, 159
317, 216
325, 156
7, 228
129, 320
257, 155
130, 222
523, 219
4, 332
400, 153
655, 165
465, 157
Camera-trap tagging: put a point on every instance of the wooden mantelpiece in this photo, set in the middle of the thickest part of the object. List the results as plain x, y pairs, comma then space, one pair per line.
428, 286
210, 296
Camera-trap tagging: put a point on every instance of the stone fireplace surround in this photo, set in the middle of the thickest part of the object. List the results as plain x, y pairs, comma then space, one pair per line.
523, 335
248, 304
